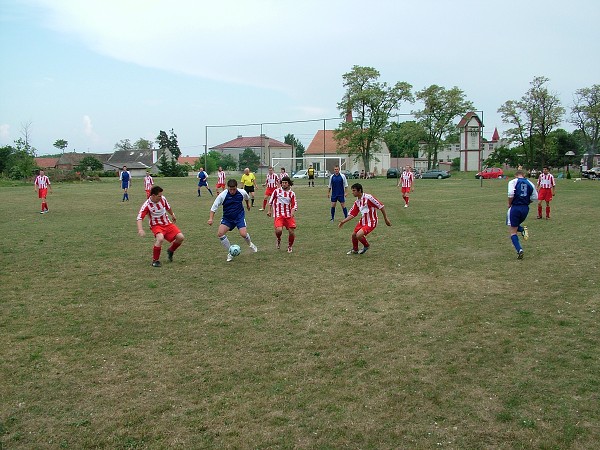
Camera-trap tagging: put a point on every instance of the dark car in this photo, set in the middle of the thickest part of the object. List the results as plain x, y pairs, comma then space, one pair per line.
436, 173
392, 172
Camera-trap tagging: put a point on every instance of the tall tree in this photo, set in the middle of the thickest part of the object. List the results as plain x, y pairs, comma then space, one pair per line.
250, 159
169, 142
143, 144
369, 103
585, 116
533, 117
297, 146
124, 145
61, 144
441, 107
403, 139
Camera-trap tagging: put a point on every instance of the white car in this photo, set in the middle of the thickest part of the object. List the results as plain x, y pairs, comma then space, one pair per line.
301, 174
322, 174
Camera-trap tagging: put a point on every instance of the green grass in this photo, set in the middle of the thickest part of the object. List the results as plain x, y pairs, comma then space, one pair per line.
436, 338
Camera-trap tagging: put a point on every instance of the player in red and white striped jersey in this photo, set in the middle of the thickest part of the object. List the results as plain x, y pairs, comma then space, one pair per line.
156, 208
283, 207
406, 181
221, 176
282, 173
272, 182
546, 190
366, 205
41, 185
148, 183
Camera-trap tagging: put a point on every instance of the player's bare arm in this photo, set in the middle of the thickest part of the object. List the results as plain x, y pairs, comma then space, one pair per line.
211, 218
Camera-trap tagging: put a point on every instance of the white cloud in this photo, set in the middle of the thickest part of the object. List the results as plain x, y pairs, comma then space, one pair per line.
88, 129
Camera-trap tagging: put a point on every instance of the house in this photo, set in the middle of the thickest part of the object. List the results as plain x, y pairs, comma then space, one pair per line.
68, 161
46, 163
323, 153
268, 149
191, 160
136, 160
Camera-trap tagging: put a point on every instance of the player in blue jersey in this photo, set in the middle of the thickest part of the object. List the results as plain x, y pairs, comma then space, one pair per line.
125, 178
233, 215
203, 181
521, 192
338, 187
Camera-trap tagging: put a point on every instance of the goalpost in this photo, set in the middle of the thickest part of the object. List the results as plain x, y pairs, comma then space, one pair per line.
275, 161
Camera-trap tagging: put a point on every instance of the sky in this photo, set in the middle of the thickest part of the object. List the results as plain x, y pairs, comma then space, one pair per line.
96, 72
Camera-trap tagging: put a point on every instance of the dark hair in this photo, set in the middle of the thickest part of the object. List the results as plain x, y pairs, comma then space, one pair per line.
232, 182
357, 186
289, 180
155, 190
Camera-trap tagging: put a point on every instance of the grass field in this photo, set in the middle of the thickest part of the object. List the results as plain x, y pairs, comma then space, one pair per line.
438, 337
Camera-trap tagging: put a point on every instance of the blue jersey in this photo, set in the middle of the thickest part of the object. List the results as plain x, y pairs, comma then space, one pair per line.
337, 184
233, 205
523, 192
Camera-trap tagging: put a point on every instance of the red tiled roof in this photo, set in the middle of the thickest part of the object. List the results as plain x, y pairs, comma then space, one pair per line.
45, 163
463, 122
496, 135
251, 142
191, 160
323, 142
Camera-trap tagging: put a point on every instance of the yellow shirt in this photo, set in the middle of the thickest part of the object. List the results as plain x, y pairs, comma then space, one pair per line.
248, 180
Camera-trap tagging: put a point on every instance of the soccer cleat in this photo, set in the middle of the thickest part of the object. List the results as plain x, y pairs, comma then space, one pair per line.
278, 245
363, 250
156, 263
290, 249
538, 217
253, 247
520, 254
261, 209
525, 233
229, 257
43, 211
352, 252
170, 255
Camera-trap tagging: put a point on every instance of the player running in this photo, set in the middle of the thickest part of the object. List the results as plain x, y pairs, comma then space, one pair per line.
283, 206
521, 192
272, 182
233, 215
367, 205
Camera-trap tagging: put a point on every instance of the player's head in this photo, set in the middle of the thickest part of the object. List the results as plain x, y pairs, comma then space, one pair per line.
232, 186
545, 169
220, 169
41, 172
124, 167
147, 172
286, 182
357, 189
520, 173
201, 169
270, 169
246, 170
156, 193
336, 169
283, 170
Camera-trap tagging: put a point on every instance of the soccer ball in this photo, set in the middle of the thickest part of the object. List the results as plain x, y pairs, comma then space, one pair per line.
235, 250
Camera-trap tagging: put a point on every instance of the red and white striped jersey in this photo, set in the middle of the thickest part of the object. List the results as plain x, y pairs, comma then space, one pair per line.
157, 212
148, 182
283, 174
407, 179
42, 182
283, 202
272, 180
367, 205
221, 177
546, 180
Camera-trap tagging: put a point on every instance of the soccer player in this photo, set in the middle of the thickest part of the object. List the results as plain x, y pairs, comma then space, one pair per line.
157, 208
406, 180
311, 175
283, 206
125, 178
521, 192
41, 186
148, 183
338, 188
233, 215
367, 205
220, 187
546, 190
203, 181
282, 173
272, 182
249, 183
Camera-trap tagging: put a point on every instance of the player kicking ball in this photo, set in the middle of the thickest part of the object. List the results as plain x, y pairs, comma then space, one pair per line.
366, 205
157, 207
233, 215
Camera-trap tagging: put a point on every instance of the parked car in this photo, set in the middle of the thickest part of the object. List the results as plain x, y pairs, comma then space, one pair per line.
346, 173
322, 174
490, 172
301, 174
436, 173
594, 172
392, 172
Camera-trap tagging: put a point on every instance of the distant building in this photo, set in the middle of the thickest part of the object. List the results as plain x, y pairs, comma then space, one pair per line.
46, 163
68, 161
136, 160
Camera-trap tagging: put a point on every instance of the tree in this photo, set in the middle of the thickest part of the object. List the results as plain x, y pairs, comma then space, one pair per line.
249, 159
403, 139
61, 144
169, 167
298, 147
370, 104
143, 144
88, 164
18, 162
441, 107
533, 117
169, 142
124, 145
585, 116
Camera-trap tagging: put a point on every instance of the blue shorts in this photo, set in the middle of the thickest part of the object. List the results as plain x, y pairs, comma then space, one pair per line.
231, 224
338, 198
124, 184
202, 183
516, 215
